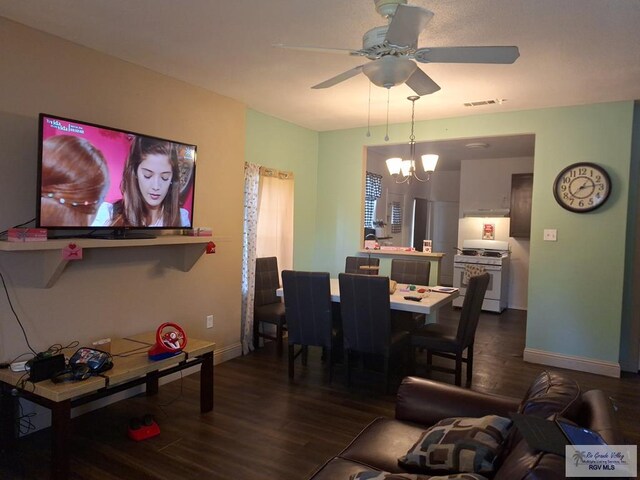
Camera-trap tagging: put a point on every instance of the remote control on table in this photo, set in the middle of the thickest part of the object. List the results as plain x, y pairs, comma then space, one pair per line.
413, 299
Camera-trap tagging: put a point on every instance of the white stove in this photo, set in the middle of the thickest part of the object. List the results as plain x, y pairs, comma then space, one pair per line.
493, 256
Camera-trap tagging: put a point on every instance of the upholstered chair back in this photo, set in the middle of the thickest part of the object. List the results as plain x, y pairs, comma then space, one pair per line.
471, 308
307, 300
414, 272
366, 312
267, 281
353, 264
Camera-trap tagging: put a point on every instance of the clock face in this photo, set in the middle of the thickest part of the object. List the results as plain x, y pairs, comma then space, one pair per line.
582, 187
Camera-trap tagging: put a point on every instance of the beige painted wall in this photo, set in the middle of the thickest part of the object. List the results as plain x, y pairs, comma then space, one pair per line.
125, 290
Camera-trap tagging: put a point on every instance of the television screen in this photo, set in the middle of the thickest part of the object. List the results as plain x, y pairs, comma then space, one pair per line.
96, 177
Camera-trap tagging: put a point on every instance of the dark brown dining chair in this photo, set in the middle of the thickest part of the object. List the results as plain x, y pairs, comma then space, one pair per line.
366, 323
412, 272
267, 306
353, 264
451, 342
311, 319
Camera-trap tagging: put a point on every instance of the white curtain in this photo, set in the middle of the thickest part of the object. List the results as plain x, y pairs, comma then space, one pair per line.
275, 219
268, 232
250, 230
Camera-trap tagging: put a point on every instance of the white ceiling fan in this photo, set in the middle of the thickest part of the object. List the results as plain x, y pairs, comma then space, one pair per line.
393, 51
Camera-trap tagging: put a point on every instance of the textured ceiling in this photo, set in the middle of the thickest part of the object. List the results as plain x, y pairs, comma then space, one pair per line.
571, 51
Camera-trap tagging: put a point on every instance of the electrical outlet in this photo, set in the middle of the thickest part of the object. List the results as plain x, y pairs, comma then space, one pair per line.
550, 235
209, 321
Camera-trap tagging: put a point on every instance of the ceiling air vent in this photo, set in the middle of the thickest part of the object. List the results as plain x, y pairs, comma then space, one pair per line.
497, 101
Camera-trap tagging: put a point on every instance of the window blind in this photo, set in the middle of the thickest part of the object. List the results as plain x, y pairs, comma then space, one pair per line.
396, 217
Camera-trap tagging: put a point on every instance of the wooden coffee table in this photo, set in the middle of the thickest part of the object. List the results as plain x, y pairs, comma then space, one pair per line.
131, 367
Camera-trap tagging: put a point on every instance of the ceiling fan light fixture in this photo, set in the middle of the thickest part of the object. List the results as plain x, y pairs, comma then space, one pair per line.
429, 162
387, 8
389, 71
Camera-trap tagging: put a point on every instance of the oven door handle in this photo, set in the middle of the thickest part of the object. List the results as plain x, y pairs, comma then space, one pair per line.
488, 268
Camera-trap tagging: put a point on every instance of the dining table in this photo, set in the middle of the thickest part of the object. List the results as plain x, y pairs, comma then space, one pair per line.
432, 298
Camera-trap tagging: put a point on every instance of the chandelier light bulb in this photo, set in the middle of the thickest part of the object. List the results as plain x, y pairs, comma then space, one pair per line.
429, 162
393, 165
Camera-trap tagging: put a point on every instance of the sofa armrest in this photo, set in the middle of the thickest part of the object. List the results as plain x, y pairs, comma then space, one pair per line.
426, 402
598, 414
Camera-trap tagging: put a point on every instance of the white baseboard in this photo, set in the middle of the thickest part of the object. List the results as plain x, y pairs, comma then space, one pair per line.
227, 353
517, 307
581, 364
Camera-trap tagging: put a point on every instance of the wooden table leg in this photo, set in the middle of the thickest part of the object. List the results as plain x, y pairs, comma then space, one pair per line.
206, 383
152, 383
60, 430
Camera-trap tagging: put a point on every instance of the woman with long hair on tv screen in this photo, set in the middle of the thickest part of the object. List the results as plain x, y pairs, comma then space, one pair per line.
74, 181
150, 189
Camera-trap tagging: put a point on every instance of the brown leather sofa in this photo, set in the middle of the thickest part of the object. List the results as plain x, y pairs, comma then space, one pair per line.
421, 403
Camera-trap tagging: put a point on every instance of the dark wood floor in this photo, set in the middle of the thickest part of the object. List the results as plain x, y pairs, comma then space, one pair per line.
264, 427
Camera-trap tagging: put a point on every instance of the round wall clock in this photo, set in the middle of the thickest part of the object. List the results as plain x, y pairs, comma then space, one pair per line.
582, 187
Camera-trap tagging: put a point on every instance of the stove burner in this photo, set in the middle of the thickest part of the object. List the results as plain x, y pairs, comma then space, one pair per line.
468, 251
492, 254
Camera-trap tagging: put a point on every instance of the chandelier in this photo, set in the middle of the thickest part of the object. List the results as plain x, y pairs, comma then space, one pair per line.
404, 170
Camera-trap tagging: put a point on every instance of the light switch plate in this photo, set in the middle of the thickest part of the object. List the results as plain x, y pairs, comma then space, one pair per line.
550, 235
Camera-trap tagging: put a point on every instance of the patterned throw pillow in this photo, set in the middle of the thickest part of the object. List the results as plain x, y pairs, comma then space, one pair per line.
466, 445
377, 475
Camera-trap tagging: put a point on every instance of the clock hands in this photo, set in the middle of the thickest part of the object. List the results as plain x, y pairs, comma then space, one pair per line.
587, 184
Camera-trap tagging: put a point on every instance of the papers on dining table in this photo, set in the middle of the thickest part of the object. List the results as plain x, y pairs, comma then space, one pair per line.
440, 289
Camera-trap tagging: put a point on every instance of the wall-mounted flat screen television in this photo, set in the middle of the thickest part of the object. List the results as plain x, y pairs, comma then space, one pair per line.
92, 177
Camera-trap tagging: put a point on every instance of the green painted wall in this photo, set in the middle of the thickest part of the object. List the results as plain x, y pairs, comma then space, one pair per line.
277, 144
576, 283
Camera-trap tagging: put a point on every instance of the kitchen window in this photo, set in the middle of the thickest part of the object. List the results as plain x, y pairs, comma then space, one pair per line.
372, 192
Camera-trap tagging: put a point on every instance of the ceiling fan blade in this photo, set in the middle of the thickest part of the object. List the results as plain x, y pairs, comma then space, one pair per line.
339, 78
467, 55
344, 51
421, 83
407, 24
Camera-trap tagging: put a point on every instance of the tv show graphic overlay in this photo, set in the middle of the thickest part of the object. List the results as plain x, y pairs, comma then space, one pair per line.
84, 173
601, 461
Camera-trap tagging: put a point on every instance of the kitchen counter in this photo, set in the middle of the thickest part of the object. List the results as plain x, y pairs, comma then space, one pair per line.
435, 258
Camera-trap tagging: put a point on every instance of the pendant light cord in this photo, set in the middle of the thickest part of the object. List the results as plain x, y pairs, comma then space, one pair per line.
369, 113
412, 137
386, 137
